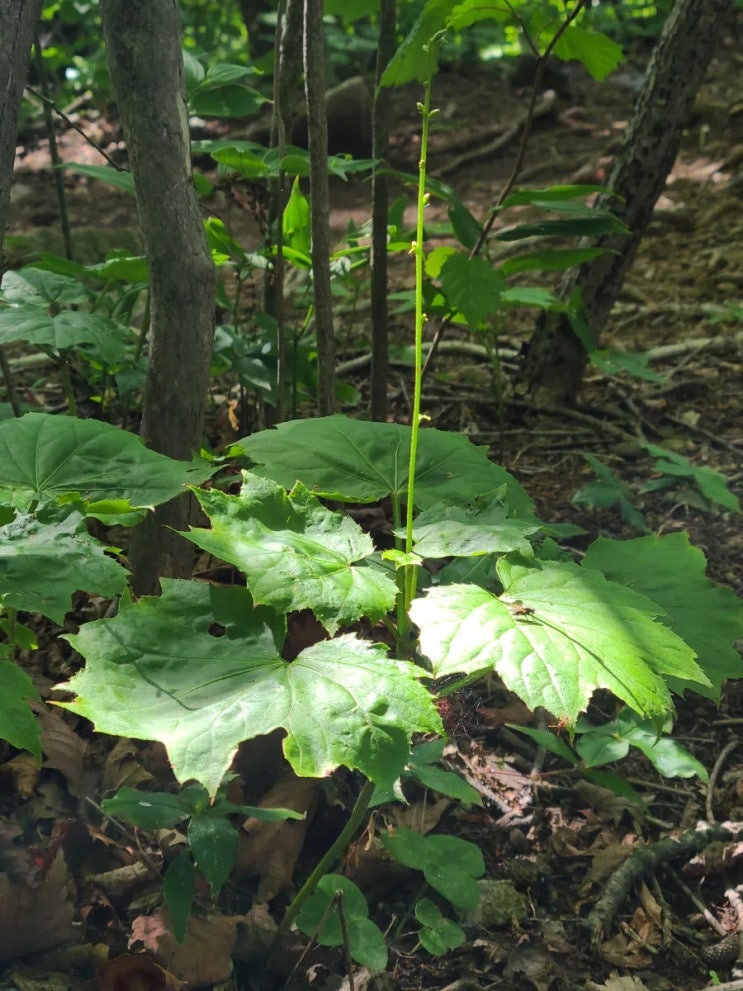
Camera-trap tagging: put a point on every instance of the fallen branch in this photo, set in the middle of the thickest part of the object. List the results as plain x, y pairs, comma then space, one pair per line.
645, 862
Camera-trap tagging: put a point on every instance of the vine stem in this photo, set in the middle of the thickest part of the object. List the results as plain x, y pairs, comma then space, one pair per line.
323, 866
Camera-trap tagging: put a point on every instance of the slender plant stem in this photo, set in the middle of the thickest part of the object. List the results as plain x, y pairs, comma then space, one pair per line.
411, 571
323, 866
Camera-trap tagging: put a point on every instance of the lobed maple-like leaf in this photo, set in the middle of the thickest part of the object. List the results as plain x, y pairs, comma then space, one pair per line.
199, 669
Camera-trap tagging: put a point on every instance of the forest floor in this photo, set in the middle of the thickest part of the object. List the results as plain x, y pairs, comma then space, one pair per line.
551, 840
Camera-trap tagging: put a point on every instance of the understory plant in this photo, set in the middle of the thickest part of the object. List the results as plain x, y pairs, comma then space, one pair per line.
474, 584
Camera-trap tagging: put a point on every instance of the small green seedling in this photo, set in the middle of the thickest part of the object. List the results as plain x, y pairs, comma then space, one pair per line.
611, 741
212, 839
336, 914
609, 491
450, 867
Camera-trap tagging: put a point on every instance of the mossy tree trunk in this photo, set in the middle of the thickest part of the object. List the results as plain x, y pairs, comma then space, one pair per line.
143, 48
556, 359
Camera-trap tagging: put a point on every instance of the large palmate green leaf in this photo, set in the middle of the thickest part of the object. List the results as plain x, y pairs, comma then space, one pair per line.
39, 288
558, 633
672, 572
295, 553
44, 561
67, 329
357, 461
46, 456
18, 725
199, 670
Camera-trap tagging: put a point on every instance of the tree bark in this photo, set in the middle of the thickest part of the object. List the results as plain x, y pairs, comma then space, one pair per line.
317, 131
556, 360
143, 49
18, 18
380, 214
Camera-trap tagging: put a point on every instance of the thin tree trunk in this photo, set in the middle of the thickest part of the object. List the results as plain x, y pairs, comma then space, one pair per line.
18, 18
556, 359
380, 214
143, 48
287, 86
317, 128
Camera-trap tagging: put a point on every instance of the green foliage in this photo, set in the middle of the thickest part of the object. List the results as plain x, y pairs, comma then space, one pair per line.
709, 487
672, 572
42, 308
609, 742
47, 556
449, 864
202, 668
44, 458
295, 553
438, 934
212, 840
712, 484
18, 726
422, 768
355, 461
609, 491
558, 632
220, 89
337, 904
161, 670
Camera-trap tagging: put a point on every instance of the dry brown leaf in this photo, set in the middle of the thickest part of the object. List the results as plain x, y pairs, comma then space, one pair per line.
623, 952
628, 982
34, 919
604, 864
122, 881
607, 806
63, 748
135, 972
533, 963
124, 768
23, 771
651, 906
269, 850
420, 816
203, 958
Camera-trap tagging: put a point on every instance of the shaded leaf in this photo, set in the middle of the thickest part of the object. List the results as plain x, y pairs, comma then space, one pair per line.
707, 616
43, 562
357, 461
18, 726
46, 456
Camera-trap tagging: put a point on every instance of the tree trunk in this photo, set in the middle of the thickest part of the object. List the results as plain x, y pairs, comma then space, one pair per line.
143, 49
18, 18
556, 359
317, 131
17, 23
380, 213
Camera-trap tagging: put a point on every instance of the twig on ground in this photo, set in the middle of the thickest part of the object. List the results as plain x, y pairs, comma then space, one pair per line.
714, 775
712, 921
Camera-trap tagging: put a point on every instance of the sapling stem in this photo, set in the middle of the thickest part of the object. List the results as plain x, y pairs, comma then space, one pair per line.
323, 866
410, 571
